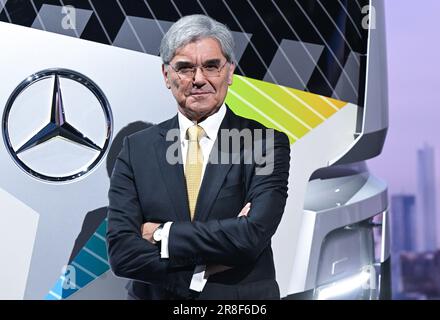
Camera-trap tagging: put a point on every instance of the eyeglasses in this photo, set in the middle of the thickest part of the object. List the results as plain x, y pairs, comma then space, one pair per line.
209, 71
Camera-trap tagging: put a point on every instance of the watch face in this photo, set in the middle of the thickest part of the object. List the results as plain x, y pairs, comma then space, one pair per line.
157, 234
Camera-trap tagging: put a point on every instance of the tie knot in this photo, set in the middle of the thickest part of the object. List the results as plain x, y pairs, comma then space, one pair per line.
195, 133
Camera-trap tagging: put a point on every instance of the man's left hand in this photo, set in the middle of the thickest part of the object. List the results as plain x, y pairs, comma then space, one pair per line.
148, 230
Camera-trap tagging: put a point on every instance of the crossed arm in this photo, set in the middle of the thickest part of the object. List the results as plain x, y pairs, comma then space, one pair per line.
226, 242
148, 229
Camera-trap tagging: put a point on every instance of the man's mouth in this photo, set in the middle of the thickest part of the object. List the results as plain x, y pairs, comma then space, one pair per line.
199, 93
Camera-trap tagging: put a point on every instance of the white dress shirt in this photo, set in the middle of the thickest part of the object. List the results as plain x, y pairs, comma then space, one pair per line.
211, 126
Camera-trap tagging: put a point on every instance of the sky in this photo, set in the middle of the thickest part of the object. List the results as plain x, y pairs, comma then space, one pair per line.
413, 51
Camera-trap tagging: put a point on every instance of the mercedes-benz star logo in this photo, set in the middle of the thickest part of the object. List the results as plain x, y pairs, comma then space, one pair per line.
49, 143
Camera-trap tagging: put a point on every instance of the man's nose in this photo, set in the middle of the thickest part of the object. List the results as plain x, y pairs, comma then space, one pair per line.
199, 77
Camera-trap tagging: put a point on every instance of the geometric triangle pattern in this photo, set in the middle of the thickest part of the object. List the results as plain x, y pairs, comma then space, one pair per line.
299, 74
90, 263
291, 111
273, 46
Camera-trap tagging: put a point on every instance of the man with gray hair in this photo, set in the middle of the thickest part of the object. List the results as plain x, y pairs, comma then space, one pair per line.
197, 229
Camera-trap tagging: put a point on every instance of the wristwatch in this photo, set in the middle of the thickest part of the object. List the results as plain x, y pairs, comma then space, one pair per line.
157, 234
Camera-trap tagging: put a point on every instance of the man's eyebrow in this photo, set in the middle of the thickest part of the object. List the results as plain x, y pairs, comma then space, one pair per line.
180, 64
211, 62
184, 64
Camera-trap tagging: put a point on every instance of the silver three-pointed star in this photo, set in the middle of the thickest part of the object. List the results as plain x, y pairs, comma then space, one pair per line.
58, 125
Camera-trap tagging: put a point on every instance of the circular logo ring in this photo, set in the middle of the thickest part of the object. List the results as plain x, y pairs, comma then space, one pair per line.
59, 122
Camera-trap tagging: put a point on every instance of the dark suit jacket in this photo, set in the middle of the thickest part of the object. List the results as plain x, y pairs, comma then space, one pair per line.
144, 187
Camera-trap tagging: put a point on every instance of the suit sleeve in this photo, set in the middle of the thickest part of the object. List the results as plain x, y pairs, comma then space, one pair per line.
130, 255
239, 240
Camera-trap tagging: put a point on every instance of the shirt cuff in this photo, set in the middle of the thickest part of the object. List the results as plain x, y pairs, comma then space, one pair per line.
198, 279
164, 253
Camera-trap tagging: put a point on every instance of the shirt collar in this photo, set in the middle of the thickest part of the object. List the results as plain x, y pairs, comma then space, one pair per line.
210, 125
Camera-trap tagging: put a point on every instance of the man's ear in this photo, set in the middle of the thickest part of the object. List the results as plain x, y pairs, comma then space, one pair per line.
231, 73
165, 76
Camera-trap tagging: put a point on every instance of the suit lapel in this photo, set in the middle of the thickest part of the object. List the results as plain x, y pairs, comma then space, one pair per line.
215, 173
173, 174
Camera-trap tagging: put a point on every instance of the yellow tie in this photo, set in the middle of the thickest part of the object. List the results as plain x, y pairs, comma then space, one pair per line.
193, 166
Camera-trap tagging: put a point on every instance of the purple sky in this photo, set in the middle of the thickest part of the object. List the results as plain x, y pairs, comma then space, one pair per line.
413, 40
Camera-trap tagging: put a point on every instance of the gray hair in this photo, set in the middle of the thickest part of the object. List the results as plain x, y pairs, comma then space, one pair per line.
192, 28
